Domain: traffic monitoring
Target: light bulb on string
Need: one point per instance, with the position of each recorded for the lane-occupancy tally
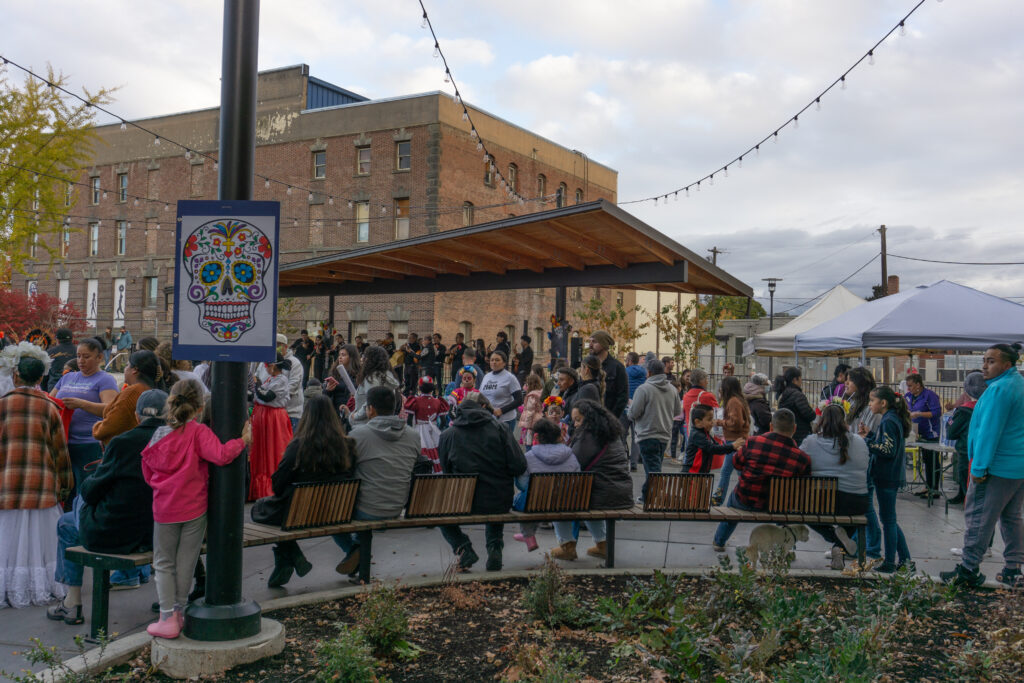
(757, 150)
(156, 141)
(676, 195)
(472, 132)
(465, 115)
(339, 223)
(124, 126)
(136, 202)
(903, 29)
(104, 194)
(871, 57)
(842, 82)
(726, 171)
(447, 76)
(711, 179)
(289, 190)
(310, 196)
(817, 104)
(655, 201)
(423, 24)
(188, 153)
(383, 210)
(437, 50)
(796, 121)
(775, 137)
(216, 165)
(330, 201)
(479, 146)
(687, 190)
(739, 162)
(167, 207)
(295, 222)
(350, 204)
(266, 183)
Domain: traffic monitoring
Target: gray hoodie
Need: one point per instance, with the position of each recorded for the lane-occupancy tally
(386, 450)
(654, 405)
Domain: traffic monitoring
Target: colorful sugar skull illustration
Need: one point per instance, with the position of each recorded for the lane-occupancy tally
(227, 261)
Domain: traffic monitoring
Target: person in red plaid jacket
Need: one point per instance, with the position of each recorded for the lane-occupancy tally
(774, 454)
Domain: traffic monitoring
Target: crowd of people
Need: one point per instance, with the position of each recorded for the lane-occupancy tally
(125, 468)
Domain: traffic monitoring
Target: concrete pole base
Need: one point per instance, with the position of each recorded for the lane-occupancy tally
(184, 658)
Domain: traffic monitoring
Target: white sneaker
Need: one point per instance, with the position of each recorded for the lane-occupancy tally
(959, 552)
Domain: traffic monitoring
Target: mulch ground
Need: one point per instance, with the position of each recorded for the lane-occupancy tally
(481, 632)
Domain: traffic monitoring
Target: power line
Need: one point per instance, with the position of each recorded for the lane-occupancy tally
(841, 282)
(960, 263)
(793, 120)
(825, 258)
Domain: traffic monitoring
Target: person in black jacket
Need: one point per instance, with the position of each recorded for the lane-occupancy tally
(113, 512)
(525, 359)
(701, 449)
(789, 388)
(760, 412)
(477, 443)
(959, 428)
(616, 384)
(319, 452)
(60, 354)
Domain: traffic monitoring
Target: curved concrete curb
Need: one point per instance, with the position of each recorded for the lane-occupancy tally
(123, 649)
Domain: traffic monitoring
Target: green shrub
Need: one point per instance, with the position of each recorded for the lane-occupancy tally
(347, 659)
(383, 621)
(546, 665)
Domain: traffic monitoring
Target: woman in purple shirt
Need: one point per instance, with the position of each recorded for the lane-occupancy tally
(87, 392)
(926, 412)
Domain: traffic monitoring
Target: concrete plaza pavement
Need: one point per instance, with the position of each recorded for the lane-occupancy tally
(418, 554)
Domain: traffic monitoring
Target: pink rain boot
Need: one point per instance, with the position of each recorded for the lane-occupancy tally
(530, 541)
(168, 627)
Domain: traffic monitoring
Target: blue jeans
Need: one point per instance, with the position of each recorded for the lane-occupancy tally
(132, 577)
(652, 453)
(564, 530)
(725, 529)
(67, 572)
(81, 455)
(675, 448)
(893, 540)
(727, 469)
(350, 542)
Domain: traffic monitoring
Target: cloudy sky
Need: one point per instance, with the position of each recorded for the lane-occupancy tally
(926, 140)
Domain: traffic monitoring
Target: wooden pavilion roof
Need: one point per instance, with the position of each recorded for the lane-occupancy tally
(596, 244)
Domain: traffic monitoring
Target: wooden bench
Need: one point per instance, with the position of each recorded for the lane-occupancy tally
(439, 499)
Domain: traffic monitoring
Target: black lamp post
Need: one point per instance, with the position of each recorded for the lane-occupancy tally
(771, 315)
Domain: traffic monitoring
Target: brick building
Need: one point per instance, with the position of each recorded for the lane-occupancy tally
(348, 171)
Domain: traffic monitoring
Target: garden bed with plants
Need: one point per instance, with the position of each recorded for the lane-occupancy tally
(727, 625)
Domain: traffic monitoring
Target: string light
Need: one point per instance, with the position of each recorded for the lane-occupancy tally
(124, 126)
(266, 183)
(868, 56)
(156, 140)
(289, 190)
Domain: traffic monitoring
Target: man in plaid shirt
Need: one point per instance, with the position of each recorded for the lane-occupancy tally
(774, 454)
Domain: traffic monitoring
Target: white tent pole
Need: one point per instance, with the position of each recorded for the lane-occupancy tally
(863, 356)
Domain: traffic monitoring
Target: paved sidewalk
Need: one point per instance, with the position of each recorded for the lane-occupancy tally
(416, 553)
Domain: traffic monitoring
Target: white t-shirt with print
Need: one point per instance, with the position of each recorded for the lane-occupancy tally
(498, 388)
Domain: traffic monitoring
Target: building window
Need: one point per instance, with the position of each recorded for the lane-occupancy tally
(619, 298)
(94, 239)
(579, 196)
(402, 219)
(538, 339)
(403, 156)
(319, 165)
(467, 213)
(359, 328)
(466, 328)
(122, 187)
(542, 185)
(152, 291)
(34, 246)
(68, 189)
(400, 328)
(513, 177)
(122, 237)
(362, 221)
(362, 161)
(94, 185)
(489, 170)
(65, 242)
(562, 190)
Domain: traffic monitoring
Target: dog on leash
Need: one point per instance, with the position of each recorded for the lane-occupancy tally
(766, 536)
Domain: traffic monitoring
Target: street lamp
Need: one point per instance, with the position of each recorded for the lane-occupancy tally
(771, 315)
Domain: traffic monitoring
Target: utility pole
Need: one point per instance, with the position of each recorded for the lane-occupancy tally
(714, 251)
(885, 265)
(886, 368)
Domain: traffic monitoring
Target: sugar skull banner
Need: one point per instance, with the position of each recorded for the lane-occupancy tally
(225, 280)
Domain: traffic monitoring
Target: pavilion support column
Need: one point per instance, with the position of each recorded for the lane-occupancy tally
(560, 338)
(330, 313)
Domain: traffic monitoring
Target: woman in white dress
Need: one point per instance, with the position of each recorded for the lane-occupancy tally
(35, 477)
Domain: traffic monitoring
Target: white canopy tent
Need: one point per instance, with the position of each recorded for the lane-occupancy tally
(943, 316)
(780, 342)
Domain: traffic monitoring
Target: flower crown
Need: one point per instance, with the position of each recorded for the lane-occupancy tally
(834, 401)
(553, 401)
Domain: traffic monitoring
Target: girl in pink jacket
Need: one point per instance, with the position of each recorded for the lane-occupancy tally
(175, 466)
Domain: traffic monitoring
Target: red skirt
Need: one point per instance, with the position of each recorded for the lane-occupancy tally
(271, 432)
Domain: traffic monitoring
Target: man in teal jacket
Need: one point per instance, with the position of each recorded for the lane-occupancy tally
(996, 449)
